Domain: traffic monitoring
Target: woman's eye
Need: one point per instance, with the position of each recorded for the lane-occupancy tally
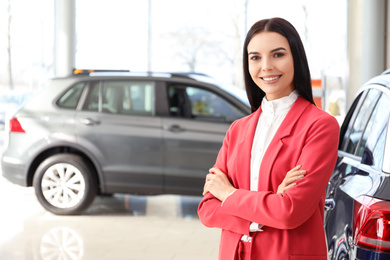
(278, 55)
(254, 58)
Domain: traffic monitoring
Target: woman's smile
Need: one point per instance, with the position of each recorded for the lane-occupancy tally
(270, 79)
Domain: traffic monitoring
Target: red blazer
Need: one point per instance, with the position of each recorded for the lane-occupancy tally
(293, 222)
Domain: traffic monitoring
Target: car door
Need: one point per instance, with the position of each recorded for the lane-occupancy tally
(193, 132)
(358, 171)
(117, 124)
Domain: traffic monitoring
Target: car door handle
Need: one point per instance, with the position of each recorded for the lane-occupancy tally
(329, 204)
(90, 121)
(174, 128)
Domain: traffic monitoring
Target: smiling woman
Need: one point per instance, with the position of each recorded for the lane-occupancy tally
(266, 190)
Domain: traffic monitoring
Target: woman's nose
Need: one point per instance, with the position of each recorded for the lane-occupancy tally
(267, 64)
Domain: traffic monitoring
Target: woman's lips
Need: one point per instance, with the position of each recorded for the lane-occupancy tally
(270, 79)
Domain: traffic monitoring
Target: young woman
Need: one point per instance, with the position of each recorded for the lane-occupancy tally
(264, 213)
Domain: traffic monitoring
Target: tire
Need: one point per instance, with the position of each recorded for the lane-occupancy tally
(64, 184)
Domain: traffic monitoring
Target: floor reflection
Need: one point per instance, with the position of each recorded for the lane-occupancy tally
(162, 205)
(66, 243)
(116, 227)
(61, 243)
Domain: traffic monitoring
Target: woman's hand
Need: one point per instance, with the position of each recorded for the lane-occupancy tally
(289, 181)
(218, 184)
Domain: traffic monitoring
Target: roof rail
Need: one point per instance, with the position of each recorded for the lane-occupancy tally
(187, 74)
(91, 72)
(87, 72)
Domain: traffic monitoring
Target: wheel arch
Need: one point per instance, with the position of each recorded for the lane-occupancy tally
(40, 157)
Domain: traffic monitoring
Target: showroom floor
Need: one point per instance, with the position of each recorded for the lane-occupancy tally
(114, 227)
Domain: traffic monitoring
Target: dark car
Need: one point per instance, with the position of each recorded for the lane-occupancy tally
(357, 216)
(119, 132)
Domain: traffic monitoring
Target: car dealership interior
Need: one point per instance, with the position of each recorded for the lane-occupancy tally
(167, 226)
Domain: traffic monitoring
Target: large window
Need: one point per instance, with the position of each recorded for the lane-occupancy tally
(71, 97)
(367, 133)
(121, 97)
(372, 146)
(353, 137)
(198, 103)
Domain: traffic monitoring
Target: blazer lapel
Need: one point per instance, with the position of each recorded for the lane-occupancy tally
(277, 142)
(244, 158)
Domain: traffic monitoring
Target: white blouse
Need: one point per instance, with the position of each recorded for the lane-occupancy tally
(272, 115)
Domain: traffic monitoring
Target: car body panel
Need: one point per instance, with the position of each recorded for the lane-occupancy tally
(136, 143)
(188, 146)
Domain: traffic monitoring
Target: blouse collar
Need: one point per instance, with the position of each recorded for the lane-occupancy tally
(279, 106)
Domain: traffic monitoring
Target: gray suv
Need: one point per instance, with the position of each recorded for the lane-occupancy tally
(119, 132)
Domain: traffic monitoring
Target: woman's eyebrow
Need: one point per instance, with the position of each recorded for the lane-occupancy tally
(278, 49)
(274, 50)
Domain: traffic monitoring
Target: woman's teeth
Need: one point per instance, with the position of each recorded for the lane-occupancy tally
(270, 79)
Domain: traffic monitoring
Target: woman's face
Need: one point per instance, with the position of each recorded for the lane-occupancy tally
(271, 64)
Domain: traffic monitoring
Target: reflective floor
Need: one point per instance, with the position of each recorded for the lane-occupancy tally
(114, 227)
(119, 227)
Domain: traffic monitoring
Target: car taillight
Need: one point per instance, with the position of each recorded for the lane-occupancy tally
(372, 224)
(15, 126)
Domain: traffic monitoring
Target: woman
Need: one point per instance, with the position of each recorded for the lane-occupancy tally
(264, 213)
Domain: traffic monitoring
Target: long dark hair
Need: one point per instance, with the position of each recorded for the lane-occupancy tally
(302, 79)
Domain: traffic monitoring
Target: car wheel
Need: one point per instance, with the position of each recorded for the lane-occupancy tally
(64, 184)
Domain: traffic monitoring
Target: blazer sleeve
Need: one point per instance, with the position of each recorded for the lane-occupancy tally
(290, 210)
(210, 209)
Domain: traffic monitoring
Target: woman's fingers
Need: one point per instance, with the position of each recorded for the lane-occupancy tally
(215, 171)
(296, 168)
(288, 187)
(295, 176)
(218, 184)
(209, 177)
(292, 176)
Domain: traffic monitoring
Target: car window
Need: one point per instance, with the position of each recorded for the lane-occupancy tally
(71, 98)
(372, 145)
(357, 127)
(202, 104)
(92, 101)
(122, 97)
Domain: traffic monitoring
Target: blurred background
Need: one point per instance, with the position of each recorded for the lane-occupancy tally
(344, 40)
(45, 38)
